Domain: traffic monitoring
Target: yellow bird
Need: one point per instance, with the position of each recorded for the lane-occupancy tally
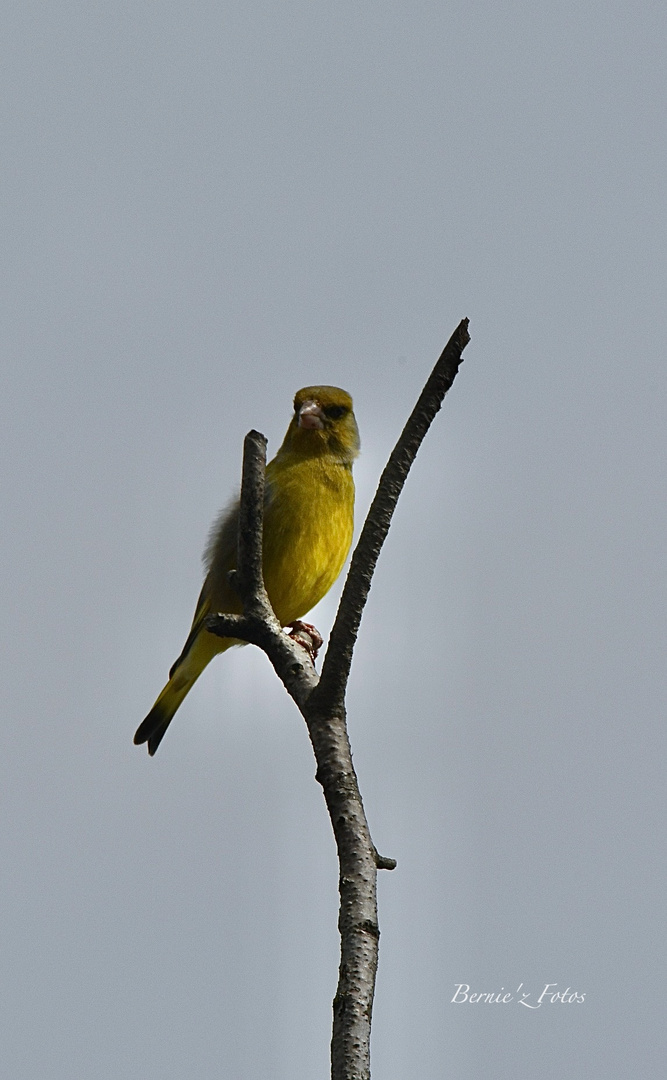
(308, 520)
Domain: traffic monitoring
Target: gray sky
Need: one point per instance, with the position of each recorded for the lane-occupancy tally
(207, 206)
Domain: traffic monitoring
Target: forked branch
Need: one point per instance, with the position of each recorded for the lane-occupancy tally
(322, 704)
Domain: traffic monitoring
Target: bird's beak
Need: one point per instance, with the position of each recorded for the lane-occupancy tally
(311, 416)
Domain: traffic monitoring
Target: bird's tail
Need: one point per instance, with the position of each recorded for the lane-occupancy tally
(153, 728)
(182, 678)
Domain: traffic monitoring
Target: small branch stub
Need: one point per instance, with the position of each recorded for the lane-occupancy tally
(383, 863)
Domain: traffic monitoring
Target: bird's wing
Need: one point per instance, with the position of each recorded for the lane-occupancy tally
(202, 610)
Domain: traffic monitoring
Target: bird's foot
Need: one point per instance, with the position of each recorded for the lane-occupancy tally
(307, 636)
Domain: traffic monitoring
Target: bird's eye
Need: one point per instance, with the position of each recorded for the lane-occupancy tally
(334, 412)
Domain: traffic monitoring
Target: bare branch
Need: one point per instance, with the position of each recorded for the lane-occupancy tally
(258, 625)
(336, 667)
(322, 704)
(249, 581)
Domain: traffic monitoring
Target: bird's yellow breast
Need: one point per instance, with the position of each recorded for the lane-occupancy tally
(308, 525)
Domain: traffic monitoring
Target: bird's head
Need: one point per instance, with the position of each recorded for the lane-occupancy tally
(323, 423)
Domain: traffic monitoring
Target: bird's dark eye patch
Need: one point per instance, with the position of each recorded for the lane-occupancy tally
(334, 412)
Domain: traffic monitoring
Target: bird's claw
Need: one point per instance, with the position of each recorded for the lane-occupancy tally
(306, 636)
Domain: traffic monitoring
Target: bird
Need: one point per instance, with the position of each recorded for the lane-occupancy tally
(308, 525)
